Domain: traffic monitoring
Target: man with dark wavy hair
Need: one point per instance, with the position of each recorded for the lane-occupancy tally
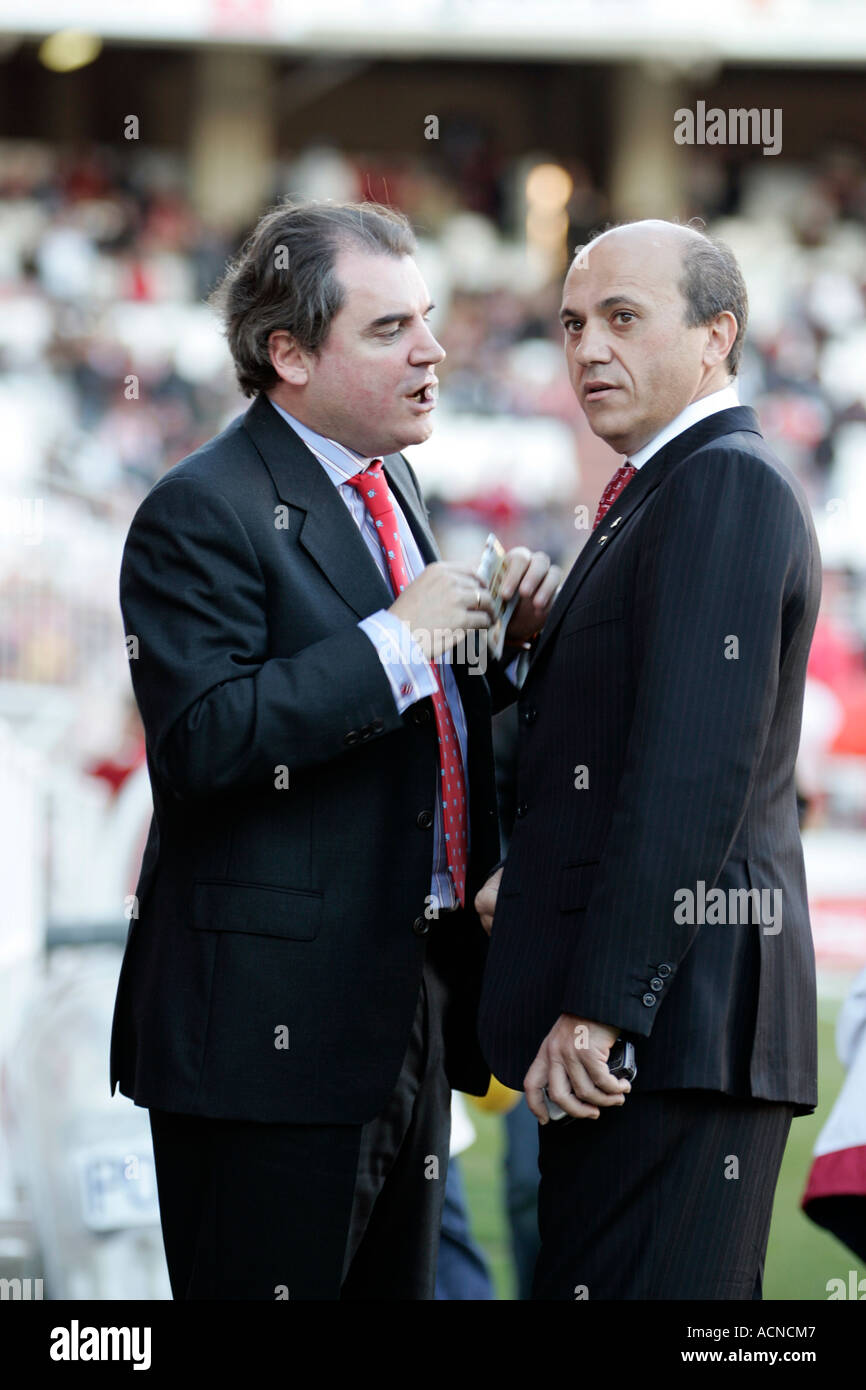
(300, 985)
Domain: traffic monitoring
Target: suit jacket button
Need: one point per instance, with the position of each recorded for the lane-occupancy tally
(664, 971)
(656, 984)
(424, 820)
(649, 1000)
(351, 737)
(377, 725)
(529, 714)
(420, 926)
(420, 714)
(366, 732)
(522, 809)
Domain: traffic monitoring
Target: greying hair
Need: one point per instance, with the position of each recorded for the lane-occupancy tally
(713, 284)
(284, 278)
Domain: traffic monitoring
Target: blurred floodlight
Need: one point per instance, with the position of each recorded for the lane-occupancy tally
(69, 49)
(548, 187)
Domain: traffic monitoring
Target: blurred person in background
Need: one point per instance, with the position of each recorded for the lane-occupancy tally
(462, 1272)
(835, 1195)
(670, 678)
(300, 984)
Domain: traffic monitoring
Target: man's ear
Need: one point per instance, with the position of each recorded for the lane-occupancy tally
(721, 336)
(290, 362)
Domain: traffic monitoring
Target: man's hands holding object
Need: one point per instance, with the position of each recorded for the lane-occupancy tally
(571, 1078)
(510, 594)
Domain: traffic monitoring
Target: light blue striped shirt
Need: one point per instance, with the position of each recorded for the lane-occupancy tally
(409, 673)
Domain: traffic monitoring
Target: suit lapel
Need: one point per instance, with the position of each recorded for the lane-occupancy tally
(328, 531)
(631, 499)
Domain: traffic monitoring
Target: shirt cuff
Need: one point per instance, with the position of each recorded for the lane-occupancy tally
(409, 673)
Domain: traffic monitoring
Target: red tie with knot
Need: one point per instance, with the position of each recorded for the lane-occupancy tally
(372, 485)
(621, 479)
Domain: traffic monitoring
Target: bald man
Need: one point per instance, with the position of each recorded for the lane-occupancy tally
(654, 888)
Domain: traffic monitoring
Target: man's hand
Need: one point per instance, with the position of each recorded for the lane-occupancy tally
(439, 606)
(572, 1064)
(485, 900)
(538, 580)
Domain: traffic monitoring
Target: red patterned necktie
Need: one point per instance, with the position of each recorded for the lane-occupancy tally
(621, 479)
(372, 485)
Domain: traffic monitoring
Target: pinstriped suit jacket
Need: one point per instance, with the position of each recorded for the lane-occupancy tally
(659, 725)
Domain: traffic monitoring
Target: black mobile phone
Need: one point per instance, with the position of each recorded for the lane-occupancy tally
(620, 1063)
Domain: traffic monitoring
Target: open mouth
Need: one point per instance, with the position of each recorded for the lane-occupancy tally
(426, 394)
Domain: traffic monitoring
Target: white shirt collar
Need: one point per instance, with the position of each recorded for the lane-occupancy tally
(339, 461)
(697, 410)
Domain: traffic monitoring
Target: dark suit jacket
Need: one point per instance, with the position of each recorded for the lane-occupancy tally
(262, 908)
(689, 757)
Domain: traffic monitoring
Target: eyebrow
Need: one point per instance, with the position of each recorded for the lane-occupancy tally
(603, 305)
(400, 316)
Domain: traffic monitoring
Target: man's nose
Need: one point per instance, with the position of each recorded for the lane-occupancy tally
(427, 348)
(593, 346)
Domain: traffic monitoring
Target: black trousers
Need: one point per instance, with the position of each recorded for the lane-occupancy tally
(313, 1212)
(668, 1196)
